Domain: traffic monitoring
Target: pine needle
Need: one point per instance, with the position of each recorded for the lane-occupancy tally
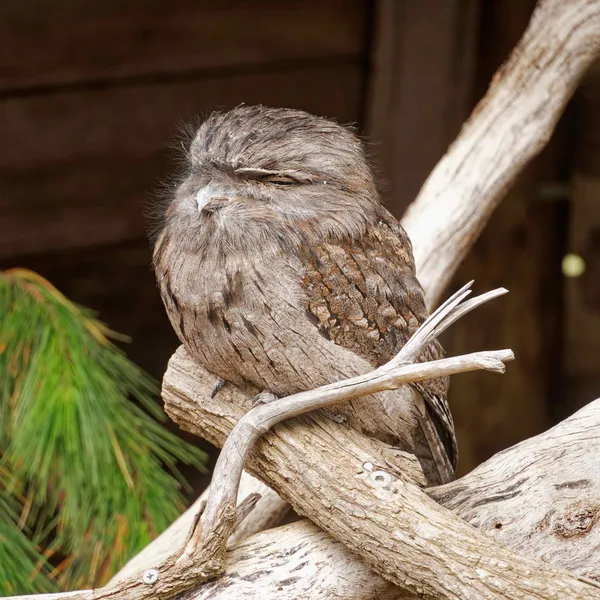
(23, 569)
(89, 460)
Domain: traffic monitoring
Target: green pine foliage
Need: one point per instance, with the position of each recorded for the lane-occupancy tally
(22, 567)
(87, 476)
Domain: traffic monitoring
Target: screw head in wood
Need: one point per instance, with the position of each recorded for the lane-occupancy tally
(381, 478)
(150, 576)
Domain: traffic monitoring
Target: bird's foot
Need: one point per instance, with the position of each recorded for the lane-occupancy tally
(263, 398)
(336, 417)
(219, 383)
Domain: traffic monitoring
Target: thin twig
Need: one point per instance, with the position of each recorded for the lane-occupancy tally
(245, 507)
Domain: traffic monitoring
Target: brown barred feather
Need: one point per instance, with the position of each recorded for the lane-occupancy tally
(366, 298)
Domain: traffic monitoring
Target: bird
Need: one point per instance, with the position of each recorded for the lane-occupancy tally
(279, 266)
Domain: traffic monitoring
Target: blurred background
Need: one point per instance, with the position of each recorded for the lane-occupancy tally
(91, 94)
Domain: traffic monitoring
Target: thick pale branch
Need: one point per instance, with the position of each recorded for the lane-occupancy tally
(341, 481)
(268, 513)
(203, 554)
(511, 124)
(545, 513)
(541, 496)
(256, 422)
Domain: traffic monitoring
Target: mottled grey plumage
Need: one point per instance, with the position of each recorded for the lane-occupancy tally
(278, 265)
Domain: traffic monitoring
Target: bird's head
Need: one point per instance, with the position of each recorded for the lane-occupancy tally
(257, 175)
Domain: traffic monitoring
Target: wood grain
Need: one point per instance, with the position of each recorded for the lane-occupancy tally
(322, 469)
(77, 42)
(560, 525)
(420, 88)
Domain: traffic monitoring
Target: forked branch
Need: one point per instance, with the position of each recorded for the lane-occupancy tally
(547, 514)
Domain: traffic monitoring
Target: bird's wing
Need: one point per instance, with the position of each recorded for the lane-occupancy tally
(363, 295)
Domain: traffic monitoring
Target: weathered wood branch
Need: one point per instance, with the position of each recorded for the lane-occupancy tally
(509, 126)
(322, 469)
(541, 496)
(268, 513)
(561, 524)
(202, 556)
(525, 497)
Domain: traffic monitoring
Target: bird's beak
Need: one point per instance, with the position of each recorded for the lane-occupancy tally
(214, 204)
(210, 198)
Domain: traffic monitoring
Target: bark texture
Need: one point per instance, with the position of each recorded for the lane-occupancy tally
(363, 492)
(533, 477)
(268, 512)
(541, 496)
(343, 482)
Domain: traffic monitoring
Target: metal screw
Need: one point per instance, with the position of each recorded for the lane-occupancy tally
(150, 576)
(381, 478)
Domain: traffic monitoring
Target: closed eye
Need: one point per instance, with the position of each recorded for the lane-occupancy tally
(277, 179)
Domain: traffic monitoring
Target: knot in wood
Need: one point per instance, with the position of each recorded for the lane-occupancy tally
(577, 520)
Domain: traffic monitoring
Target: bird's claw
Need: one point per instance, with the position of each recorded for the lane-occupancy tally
(219, 383)
(263, 398)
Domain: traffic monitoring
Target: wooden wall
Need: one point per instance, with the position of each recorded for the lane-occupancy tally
(581, 325)
(420, 87)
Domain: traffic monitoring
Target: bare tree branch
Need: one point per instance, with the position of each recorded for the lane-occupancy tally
(525, 497)
(268, 513)
(327, 473)
(546, 513)
(511, 125)
(202, 556)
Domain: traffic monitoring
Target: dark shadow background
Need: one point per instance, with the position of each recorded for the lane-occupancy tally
(91, 94)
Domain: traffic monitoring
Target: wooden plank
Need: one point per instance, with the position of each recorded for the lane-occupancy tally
(58, 42)
(582, 294)
(420, 88)
(77, 167)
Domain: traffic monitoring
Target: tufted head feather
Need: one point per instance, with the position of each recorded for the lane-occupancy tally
(260, 176)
